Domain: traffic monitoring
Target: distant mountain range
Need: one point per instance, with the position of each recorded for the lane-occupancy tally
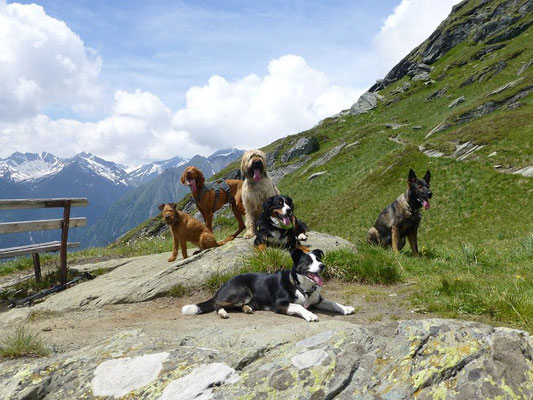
(104, 183)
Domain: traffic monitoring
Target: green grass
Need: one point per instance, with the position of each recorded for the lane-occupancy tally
(369, 264)
(180, 290)
(476, 240)
(270, 260)
(216, 280)
(22, 343)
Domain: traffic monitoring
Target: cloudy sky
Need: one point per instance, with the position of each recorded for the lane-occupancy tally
(137, 81)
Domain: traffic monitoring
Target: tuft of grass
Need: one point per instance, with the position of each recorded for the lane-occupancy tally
(22, 343)
(527, 246)
(270, 260)
(216, 280)
(369, 264)
(180, 290)
(470, 253)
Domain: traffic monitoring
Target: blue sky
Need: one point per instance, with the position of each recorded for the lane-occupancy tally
(198, 75)
(166, 47)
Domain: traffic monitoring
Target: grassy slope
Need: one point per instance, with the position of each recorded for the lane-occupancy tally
(477, 239)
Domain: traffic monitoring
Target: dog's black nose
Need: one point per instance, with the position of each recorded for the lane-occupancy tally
(429, 194)
(322, 266)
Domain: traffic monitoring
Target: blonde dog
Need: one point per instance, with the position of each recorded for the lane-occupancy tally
(256, 189)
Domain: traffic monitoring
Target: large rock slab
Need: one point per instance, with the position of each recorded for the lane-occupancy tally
(144, 278)
(303, 146)
(422, 359)
(366, 102)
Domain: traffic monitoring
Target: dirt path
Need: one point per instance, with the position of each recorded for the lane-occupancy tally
(162, 317)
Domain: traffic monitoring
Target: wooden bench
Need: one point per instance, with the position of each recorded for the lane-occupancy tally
(27, 226)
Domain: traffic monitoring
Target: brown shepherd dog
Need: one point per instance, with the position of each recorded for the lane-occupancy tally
(211, 196)
(185, 228)
(402, 218)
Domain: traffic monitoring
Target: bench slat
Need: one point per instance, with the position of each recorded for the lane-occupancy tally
(26, 226)
(34, 248)
(13, 204)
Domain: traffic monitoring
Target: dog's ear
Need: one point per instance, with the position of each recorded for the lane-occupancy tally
(267, 204)
(243, 165)
(427, 177)
(289, 202)
(183, 177)
(173, 205)
(412, 177)
(161, 206)
(296, 254)
(200, 180)
(318, 253)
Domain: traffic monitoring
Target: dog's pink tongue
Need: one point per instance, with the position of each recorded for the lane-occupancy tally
(257, 175)
(426, 204)
(317, 279)
(286, 220)
(192, 183)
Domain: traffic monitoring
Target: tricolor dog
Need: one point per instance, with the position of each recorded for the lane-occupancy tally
(277, 226)
(290, 292)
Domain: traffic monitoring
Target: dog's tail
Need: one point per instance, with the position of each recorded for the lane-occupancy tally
(228, 239)
(200, 308)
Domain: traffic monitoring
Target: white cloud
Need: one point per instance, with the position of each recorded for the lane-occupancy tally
(138, 130)
(253, 111)
(249, 112)
(409, 25)
(42, 64)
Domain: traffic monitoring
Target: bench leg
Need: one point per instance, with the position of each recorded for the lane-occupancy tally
(64, 237)
(37, 267)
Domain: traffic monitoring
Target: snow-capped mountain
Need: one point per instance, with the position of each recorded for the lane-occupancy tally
(221, 158)
(32, 168)
(147, 172)
(103, 182)
(21, 167)
(106, 169)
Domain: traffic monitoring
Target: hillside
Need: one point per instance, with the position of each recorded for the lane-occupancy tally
(460, 104)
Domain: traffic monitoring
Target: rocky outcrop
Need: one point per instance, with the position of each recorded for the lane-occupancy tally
(436, 94)
(457, 101)
(303, 146)
(526, 171)
(325, 158)
(366, 102)
(481, 21)
(316, 175)
(137, 279)
(294, 359)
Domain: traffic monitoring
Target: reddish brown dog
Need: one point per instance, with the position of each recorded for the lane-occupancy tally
(208, 201)
(185, 228)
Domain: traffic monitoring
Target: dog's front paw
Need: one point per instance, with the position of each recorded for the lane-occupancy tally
(310, 317)
(302, 237)
(348, 310)
(172, 258)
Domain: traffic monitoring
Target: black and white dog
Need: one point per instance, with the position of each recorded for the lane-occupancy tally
(277, 225)
(289, 292)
